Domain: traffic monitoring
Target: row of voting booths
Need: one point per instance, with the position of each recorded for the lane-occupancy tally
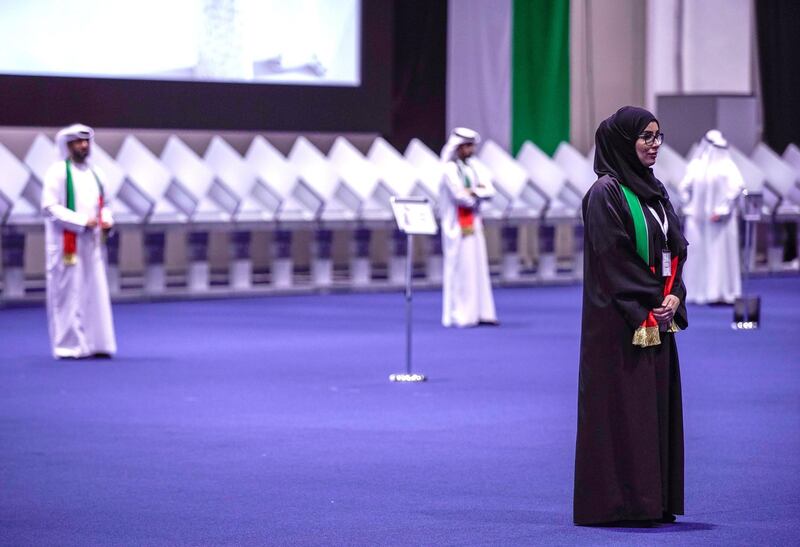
(198, 213)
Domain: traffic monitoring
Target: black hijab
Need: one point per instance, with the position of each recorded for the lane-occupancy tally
(615, 153)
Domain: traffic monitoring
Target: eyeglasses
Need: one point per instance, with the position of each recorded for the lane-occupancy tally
(651, 138)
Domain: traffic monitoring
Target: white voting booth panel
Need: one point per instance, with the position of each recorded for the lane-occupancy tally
(528, 201)
(780, 175)
(361, 176)
(564, 201)
(22, 213)
(590, 155)
(430, 172)
(299, 202)
(498, 206)
(670, 168)
(41, 155)
(781, 179)
(429, 167)
(401, 181)
(754, 180)
(115, 186)
(15, 177)
(792, 157)
(150, 176)
(578, 169)
(237, 188)
(340, 203)
(15, 210)
(399, 176)
(113, 174)
(192, 182)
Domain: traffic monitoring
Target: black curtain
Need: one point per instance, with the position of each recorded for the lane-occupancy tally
(420, 65)
(778, 24)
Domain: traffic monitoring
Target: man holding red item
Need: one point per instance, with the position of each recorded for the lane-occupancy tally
(76, 215)
(466, 287)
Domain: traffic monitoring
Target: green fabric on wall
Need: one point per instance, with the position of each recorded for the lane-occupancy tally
(540, 74)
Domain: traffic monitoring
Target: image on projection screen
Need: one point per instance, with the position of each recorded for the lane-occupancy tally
(307, 42)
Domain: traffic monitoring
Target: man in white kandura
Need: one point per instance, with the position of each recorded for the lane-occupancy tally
(710, 191)
(76, 217)
(466, 289)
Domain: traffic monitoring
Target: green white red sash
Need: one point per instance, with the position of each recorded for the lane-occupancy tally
(70, 241)
(647, 334)
(466, 215)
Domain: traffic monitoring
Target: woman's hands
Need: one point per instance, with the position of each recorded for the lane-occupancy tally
(665, 313)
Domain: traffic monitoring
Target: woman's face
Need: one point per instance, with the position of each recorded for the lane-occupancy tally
(647, 153)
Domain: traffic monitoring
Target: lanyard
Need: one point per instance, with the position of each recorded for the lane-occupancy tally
(462, 171)
(663, 225)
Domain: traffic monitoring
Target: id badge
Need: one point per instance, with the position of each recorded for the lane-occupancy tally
(666, 263)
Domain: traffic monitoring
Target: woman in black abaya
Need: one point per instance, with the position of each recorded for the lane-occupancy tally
(629, 453)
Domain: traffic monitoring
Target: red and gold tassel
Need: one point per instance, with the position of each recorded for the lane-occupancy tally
(647, 334)
(466, 220)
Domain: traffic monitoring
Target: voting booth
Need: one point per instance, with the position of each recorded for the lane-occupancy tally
(340, 205)
(670, 169)
(192, 180)
(300, 204)
(528, 203)
(364, 178)
(563, 206)
(580, 172)
(781, 176)
(401, 180)
(16, 178)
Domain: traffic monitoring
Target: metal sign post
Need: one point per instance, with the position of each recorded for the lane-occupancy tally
(413, 216)
(747, 309)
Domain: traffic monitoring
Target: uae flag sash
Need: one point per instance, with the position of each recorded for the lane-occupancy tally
(70, 241)
(466, 215)
(647, 334)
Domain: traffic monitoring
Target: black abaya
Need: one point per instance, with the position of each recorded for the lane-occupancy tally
(629, 454)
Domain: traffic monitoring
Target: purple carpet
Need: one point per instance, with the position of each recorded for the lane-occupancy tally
(271, 421)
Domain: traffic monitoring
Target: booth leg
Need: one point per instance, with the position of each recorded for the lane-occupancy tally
(547, 252)
(360, 267)
(241, 266)
(577, 262)
(13, 263)
(112, 263)
(322, 263)
(155, 279)
(282, 268)
(198, 274)
(510, 239)
(435, 265)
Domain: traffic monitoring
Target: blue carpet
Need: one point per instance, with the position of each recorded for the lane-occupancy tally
(270, 421)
